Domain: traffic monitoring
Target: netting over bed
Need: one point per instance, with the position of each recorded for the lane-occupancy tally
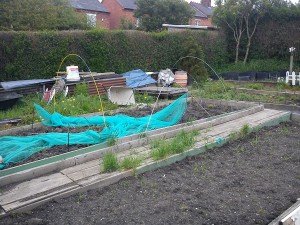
(17, 148)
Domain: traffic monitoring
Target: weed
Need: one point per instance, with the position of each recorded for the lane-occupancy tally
(161, 152)
(144, 98)
(233, 136)
(195, 169)
(181, 142)
(125, 183)
(284, 130)
(255, 141)
(286, 158)
(203, 168)
(130, 162)
(142, 135)
(81, 89)
(191, 120)
(112, 141)
(81, 197)
(110, 162)
(184, 207)
(255, 86)
(245, 130)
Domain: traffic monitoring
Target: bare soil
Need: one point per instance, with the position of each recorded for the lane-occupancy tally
(195, 111)
(249, 181)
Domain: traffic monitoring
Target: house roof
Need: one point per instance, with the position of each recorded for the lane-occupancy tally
(128, 4)
(93, 5)
(199, 13)
(207, 11)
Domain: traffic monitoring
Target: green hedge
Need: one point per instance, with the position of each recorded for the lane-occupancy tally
(31, 55)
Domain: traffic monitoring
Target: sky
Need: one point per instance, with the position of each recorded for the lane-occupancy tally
(213, 2)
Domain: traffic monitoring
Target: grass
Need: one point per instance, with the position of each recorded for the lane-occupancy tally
(130, 162)
(110, 162)
(216, 90)
(245, 130)
(72, 105)
(180, 143)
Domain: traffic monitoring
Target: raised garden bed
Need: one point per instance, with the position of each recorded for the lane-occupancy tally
(196, 110)
(249, 181)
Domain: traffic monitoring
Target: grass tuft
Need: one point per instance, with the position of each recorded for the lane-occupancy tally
(130, 162)
(110, 162)
(180, 143)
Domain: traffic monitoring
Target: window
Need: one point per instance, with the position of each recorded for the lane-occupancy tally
(197, 22)
(91, 19)
(138, 21)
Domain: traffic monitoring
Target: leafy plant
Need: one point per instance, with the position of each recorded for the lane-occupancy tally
(81, 89)
(245, 130)
(110, 162)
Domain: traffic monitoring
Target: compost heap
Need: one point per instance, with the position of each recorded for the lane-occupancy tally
(17, 148)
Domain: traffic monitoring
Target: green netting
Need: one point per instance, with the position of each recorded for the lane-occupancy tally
(17, 148)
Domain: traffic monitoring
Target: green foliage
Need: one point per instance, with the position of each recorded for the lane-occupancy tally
(39, 15)
(245, 130)
(193, 65)
(82, 89)
(255, 65)
(130, 162)
(255, 86)
(180, 143)
(153, 14)
(144, 98)
(110, 162)
(126, 24)
(69, 106)
(33, 55)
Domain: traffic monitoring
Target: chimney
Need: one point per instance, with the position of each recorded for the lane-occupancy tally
(206, 3)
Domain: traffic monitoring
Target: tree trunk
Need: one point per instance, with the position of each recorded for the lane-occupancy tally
(247, 51)
(237, 51)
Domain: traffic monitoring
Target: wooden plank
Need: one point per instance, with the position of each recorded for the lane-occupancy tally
(33, 187)
(80, 167)
(87, 172)
(29, 201)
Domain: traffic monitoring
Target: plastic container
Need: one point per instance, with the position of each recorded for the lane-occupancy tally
(72, 73)
(181, 78)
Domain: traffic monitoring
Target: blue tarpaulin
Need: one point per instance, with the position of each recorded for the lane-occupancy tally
(138, 78)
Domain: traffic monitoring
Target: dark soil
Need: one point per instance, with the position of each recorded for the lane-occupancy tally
(194, 111)
(249, 181)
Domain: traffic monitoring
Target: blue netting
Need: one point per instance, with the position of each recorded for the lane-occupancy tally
(17, 148)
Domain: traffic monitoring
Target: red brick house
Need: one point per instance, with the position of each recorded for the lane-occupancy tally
(203, 13)
(120, 9)
(97, 15)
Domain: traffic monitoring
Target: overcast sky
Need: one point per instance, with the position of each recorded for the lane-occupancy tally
(213, 2)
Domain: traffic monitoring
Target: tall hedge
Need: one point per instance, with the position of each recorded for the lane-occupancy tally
(32, 55)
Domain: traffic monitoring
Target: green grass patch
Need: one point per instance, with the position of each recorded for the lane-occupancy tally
(180, 143)
(110, 162)
(130, 162)
(68, 106)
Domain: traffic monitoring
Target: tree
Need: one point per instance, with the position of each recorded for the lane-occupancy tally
(252, 11)
(240, 16)
(193, 54)
(154, 13)
(229, 15)
(39, 15)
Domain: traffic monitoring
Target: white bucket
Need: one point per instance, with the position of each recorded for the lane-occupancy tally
(72, 73)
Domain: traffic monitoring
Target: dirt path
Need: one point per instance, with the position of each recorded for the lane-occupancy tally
(249, 181)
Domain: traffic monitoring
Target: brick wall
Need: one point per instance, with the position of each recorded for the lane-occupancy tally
(203, 21)
(103, 20)
(117, 12)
